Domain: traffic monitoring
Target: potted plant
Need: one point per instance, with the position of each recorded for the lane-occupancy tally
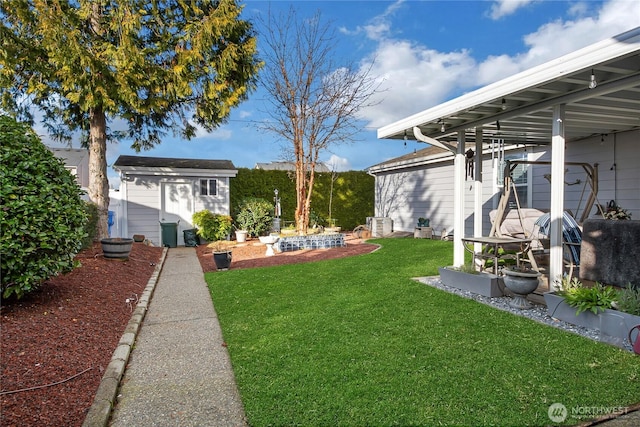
(612, 310)
(468, 278)
(211, 226)
(521, 281)
(254, 217)
(332, 227)
(423, 222)
(222, 254)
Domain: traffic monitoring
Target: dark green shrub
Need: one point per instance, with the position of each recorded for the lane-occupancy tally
(212, 226)
(255, 215)
(91, 227)
(629, 299)
(42, 217)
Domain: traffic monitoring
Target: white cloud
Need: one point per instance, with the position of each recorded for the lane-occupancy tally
(502, 8)
(338, 164)
(414, 77)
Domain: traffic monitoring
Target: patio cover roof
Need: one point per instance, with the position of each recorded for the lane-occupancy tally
(548, 104)
(529, 97)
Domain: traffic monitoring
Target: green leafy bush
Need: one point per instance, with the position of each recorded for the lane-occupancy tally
(91, 227)
(629, 300)
(255, 215)
(596, 298)
(43, 216)
(212, 226)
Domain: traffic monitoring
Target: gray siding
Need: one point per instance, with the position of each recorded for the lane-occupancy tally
(427, 191)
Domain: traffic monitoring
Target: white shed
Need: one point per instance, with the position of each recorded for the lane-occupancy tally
(156, 190)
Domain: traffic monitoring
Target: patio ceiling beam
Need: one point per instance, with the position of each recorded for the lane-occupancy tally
(604, 88)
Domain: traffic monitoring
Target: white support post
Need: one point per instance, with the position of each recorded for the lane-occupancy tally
(458, 203)
(557, 196)
(477, 175)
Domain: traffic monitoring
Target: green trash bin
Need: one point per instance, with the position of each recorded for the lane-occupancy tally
(169, 234)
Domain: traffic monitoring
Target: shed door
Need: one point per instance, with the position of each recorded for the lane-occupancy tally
(177, 205)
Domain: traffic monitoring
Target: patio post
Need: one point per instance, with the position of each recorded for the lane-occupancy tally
(477, 175)
(458, 202)
(557, 196)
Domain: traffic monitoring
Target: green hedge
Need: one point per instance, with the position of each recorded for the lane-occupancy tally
(42, 218)
(353, 194)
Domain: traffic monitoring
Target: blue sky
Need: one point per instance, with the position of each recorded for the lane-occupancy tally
(423, 53)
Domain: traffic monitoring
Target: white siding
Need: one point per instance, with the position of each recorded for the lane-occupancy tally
(143, 207)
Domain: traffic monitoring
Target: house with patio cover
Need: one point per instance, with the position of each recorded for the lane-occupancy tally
(570, 126)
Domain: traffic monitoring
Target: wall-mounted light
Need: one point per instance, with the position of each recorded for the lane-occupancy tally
(504, 104)
(443, 127)
(593, 83)
(405, 137)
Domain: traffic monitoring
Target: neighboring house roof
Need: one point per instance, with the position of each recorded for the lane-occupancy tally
(173, 166)
(71, 156)
(520, 108)
(288, 166)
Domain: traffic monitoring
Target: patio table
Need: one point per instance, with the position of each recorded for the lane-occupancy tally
(490, 247)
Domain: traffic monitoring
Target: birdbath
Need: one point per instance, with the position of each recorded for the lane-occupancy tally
(269, 241)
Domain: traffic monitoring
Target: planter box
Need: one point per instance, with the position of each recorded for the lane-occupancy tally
(612, 323)
(423, 233)
(485, 284)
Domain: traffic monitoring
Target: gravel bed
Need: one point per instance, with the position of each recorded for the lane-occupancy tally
(538, 312)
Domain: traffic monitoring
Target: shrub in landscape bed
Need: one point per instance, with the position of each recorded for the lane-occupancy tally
(212, 226)
(255, 215)
(43, 216)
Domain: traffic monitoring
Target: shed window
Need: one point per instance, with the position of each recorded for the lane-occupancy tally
(208, 187)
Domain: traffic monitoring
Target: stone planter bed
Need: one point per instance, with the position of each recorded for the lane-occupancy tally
(612, 323)
(486, 284)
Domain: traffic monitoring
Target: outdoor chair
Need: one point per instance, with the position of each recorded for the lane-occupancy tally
(571, 238)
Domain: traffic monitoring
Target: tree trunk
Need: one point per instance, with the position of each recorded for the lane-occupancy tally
(98, 181)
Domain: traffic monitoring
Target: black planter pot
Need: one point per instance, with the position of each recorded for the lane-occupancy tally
(116, 247)
(222, 260)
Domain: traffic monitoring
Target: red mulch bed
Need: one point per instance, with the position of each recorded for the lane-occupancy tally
(72, 324)
(252, 254)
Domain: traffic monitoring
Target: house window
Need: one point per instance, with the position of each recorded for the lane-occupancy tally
(208, 187)
(520, 177)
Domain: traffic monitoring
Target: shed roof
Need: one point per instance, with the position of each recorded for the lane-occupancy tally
(172, 163)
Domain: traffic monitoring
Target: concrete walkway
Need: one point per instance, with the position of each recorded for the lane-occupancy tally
(179, 371)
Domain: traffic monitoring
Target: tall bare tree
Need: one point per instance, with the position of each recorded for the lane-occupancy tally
(314, 102)
(159, 66)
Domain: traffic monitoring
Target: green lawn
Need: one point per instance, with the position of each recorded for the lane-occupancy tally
(356, 342)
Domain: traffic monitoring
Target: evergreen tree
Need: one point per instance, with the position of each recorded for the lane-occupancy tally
(158, 66)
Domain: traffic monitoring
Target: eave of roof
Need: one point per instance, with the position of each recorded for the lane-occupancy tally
(533, 89)
(174, 166)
